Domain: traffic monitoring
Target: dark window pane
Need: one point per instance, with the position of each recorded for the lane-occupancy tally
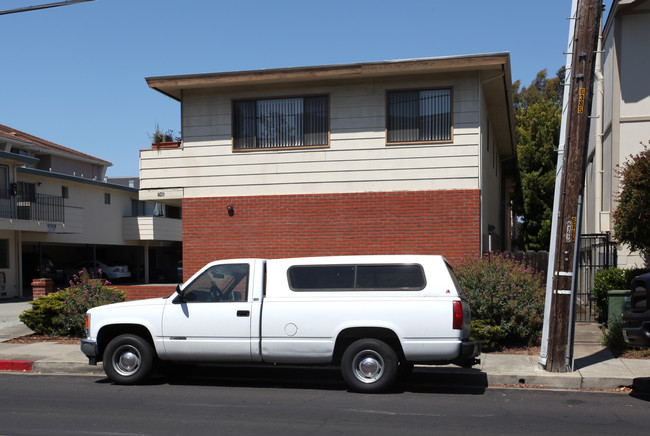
(316, 121)
(435, 116)
(321, 277)
(245, 122)
(390, 276)
(4, 253)
(419, 116)
(280, 123)
(403, 116)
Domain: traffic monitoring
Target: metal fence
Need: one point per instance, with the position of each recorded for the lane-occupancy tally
(31, 207)
(597, 252)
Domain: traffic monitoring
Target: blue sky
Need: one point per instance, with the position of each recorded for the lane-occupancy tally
(74, 75)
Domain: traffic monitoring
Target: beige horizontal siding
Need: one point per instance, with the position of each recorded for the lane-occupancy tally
(322, 188)
(152, 228)
(356, 160)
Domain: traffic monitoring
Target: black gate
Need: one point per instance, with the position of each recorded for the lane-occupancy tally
(597, 252)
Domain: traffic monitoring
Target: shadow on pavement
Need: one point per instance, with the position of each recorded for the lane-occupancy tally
(641, 389)
(593, 359)
(422, 380)
(15, 300)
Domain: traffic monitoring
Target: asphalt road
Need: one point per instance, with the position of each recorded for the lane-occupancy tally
(272, 403)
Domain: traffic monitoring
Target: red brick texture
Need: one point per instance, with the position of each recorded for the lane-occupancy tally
(424, 222)
(141, 292)
(42, 287)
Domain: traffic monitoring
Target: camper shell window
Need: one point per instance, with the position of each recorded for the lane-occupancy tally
(393, 277)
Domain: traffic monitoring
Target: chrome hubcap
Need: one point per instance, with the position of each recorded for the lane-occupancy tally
(368, 366)
(126, 360)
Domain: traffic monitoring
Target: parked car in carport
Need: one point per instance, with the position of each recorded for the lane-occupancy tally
(41, 268)
(636, 322)
(110, 272)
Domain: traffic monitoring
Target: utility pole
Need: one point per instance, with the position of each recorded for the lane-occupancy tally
(568, 215)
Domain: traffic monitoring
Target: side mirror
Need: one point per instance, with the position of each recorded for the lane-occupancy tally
(180, 292)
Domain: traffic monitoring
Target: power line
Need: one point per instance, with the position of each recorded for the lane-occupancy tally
(44, 6)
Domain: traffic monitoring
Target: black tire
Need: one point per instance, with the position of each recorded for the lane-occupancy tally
(369, 365)
(128, 359)
(404, 370)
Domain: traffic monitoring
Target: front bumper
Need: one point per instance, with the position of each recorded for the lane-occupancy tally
(636, 328)
(90, 349)
(638, 336)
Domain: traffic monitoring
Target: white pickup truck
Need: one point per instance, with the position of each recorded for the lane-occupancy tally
(375, 316)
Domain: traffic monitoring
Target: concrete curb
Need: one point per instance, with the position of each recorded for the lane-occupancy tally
(16, 365)
(69, 368)
(438, 375)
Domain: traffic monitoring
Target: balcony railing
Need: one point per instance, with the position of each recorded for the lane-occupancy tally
(31, 207)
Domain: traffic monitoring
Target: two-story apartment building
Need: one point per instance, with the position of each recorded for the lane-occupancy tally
(57, 210)
(407, 156)
(621, 113)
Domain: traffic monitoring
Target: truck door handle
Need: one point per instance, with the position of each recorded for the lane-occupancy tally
(243, 313)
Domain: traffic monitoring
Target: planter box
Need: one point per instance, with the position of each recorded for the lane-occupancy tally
(166, 145)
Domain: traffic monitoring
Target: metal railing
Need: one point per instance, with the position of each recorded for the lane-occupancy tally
(597, 252)
(31, 207)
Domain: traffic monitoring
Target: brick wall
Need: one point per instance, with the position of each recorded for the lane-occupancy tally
(141, 292)
(427, 222)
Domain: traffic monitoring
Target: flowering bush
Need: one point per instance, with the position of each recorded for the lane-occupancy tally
(64, 312)
(505, 296)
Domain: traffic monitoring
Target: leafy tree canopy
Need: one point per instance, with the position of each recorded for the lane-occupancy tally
(632, 216)
(538, 115)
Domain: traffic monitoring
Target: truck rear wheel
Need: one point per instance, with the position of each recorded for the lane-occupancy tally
(128, 359)
(369, 365)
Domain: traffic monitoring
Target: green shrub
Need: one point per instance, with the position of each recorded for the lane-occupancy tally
(506, 294)
(606, 280)
(43, 316)
(64, 312)
(490, 336)
(612, 337)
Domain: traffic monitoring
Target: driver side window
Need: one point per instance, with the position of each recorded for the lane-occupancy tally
(219, 283)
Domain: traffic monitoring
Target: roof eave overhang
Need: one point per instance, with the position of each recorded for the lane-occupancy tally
(172, 86)
(37, 149)
(71, 178)
(28, 160)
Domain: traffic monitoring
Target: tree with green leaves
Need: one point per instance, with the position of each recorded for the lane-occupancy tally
(632, 215)
(538, 115)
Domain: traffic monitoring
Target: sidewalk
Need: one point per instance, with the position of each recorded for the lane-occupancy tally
(595, 367)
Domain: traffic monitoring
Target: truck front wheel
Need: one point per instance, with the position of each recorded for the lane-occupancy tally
(369, 365)
(128, 359)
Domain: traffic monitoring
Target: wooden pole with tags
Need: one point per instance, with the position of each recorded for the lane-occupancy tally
(587, 24)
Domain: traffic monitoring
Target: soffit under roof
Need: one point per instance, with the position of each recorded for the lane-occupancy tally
(42, 146)
(172, 86)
